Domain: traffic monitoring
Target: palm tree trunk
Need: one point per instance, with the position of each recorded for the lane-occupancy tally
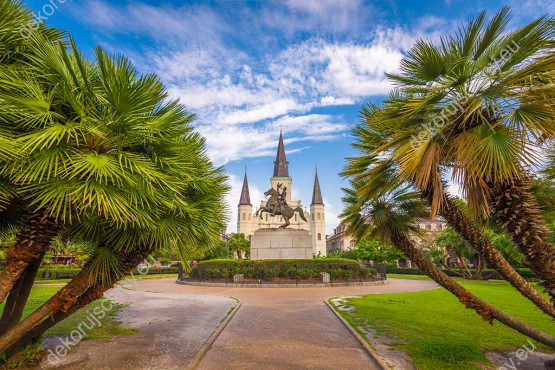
(32, 241)
(516, 207)
(91, 295)
(473, 235)
(479, 267)
(463, 264)
(446, 267)
(488, 312)
(70, 297)
(62, 300)
(17, 299)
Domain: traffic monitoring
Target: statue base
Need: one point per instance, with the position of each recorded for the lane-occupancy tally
(272, 244)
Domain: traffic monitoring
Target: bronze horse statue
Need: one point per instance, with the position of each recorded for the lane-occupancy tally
(284, 210)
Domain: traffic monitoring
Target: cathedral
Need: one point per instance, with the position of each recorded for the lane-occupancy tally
(248, 222)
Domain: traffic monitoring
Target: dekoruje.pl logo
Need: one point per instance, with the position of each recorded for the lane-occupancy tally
(92, 321)
(47, 10)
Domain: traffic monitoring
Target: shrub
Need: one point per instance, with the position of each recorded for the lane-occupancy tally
(367, 272)
(268, 274)
(308, 273)
(341, 274)
(339, 268)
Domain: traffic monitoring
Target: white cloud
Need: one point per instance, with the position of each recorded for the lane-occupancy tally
(260, 112)
(312, 124)
(242, 94)
(332, 217)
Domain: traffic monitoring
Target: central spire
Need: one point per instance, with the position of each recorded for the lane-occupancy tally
(281, 166)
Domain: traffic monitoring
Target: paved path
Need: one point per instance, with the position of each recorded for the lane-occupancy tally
(274, 328)
(172, 328)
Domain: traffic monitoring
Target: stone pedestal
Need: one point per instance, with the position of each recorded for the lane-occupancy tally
(281, 244)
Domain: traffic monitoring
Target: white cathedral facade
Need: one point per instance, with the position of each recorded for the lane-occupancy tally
(248, 222)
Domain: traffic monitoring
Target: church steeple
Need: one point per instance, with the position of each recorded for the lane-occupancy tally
(245, 196)
(281, 167)
(317, 193)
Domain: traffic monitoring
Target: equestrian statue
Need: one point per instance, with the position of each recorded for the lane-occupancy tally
(277, 206)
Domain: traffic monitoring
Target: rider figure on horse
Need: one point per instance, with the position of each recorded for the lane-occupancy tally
(281, 201)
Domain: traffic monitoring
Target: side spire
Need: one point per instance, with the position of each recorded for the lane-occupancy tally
(317, 193)
(245, 196)
(281, 166)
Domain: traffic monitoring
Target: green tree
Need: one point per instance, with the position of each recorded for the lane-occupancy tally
(219, 251)
(480, 104)
(390, 214)
(238, 244)
(460, 252)
(417, 132)
(504, 244)
(376, 251)
(100, 156)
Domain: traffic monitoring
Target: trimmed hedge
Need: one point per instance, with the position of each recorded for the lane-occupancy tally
(57, 272)
(524, 272)
(60, 272)
(268, 270)
(160, 270)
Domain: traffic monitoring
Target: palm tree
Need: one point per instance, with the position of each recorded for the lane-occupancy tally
(459, 250)
(30, 245)
(391, 214)
(381, 162)
(480, 104)
(102, 158)
(238, 244)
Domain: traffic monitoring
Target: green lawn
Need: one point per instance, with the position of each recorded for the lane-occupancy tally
(438, 332)
(409, 277)
(152, 276)
(110, 326)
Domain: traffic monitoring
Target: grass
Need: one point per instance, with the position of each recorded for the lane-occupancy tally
(151, 277)
(438, 332)
(409, 277)
(137, 277)
(109, 325)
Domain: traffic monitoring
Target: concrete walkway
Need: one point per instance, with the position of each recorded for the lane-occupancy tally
(285, 328)
(289, 328)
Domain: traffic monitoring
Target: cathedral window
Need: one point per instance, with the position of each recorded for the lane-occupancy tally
(244, 216)
(266, 217)
(318, 216)
(295, 217)
(312, 216)
(319, 236)
(249, 216)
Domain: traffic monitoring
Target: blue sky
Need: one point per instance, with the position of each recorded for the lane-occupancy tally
(247, 68)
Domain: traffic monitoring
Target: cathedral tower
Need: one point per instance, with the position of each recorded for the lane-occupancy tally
(244, 211)
(317, 219)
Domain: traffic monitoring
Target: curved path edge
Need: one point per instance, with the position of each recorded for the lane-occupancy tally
(210, 341)
(378, 360)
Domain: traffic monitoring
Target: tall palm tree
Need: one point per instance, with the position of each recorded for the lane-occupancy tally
(380, 142)
(14, 53)
(480, 104)
(391, 215)
(104, 158)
